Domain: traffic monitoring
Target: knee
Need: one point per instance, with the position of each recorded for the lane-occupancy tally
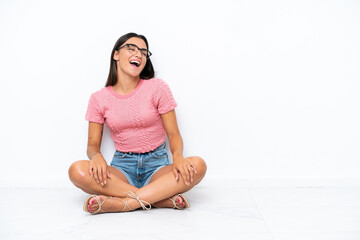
(201, 166)
(77, 171)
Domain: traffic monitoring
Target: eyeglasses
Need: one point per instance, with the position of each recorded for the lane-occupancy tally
(133, 48)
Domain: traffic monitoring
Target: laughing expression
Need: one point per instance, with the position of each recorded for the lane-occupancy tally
(129, 60)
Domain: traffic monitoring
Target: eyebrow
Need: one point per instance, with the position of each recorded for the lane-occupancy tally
(137, 46)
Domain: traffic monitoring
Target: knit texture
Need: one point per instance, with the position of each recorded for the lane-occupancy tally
(133, 119)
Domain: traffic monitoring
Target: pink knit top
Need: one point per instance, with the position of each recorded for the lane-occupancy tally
(133, 119)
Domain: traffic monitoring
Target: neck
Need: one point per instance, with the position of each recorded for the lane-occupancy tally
(126, 84)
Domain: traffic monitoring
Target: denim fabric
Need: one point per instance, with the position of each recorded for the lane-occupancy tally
(138, 168)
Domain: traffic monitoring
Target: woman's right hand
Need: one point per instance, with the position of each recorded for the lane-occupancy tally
(99, 169)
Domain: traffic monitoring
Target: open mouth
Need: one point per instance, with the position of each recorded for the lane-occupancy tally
(135, 63)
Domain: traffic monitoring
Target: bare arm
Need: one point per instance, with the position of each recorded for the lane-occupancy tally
(94, 139)
(182, 165)
(173, 133)
(98, 166)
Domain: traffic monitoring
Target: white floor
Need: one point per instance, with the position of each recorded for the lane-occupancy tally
(236, 211)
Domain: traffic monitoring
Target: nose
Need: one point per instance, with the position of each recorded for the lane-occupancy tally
(137, 53)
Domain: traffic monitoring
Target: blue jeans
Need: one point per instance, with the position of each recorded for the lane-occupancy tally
(138, 168)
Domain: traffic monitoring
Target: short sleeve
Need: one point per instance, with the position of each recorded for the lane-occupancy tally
(93, 113)
(165, 98)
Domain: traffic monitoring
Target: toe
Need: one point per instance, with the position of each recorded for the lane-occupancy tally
(93, 207)
(180, 202)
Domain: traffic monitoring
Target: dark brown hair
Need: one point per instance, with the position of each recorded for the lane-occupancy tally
(148, 71)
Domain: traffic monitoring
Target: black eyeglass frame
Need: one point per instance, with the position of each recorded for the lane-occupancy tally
(140, 49)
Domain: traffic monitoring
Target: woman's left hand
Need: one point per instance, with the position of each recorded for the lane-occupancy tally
(186, 168)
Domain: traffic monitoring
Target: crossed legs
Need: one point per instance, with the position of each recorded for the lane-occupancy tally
(162, 186)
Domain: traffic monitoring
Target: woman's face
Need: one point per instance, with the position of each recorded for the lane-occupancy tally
(130, 60)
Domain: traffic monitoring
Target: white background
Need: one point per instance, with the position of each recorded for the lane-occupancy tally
(265, 89)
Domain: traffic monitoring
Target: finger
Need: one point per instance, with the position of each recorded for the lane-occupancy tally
(194, 167)
(96, 176)
(104, 174)
(185, 176)
(176, 174)
(100, 173)
(190, 169)
(108, 173)
(91, 171)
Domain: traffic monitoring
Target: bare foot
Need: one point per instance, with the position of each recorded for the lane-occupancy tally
(108, 204)
(167, 203)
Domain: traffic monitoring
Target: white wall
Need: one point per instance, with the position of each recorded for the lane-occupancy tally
(265, 89)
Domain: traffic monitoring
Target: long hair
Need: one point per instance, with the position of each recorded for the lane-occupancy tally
(148, 71)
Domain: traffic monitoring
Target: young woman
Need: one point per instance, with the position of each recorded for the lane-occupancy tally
(139, 110)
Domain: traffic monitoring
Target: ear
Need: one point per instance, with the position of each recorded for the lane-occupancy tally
(116, 56)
